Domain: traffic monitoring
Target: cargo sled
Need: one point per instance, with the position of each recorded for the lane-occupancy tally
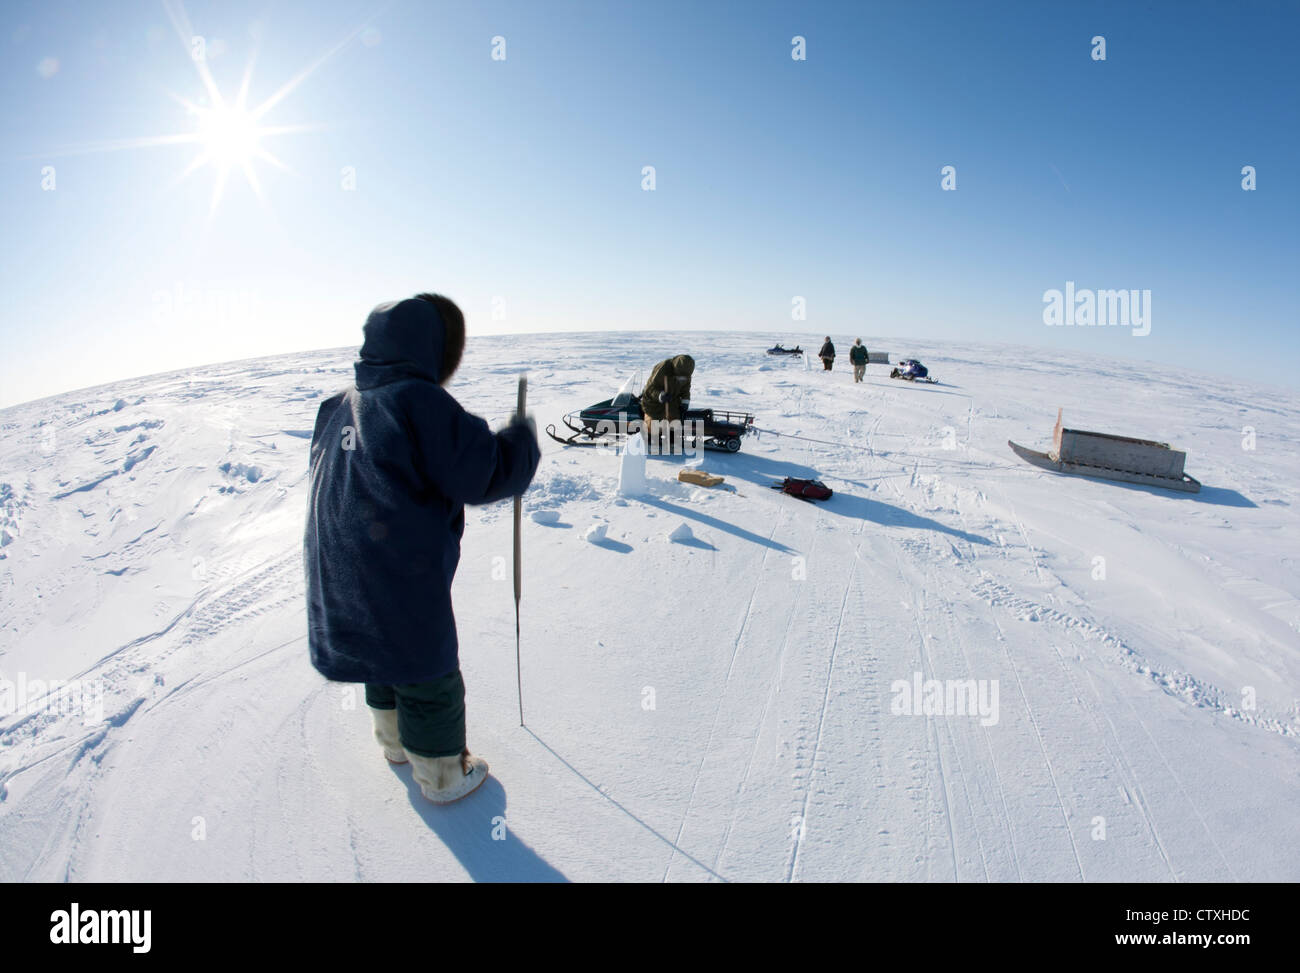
(1110, 457)
(778, 350)
(607, 423)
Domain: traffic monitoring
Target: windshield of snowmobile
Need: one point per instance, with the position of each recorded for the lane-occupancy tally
(630, 391)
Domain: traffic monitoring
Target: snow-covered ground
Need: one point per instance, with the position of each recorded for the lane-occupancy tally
(720, 707)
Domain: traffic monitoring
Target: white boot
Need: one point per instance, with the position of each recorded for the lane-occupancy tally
(446, 779)
(386, 734)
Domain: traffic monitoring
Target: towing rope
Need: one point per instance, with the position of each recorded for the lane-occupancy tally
(807, 439)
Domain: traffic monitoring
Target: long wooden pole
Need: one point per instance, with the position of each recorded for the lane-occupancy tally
(519, 504)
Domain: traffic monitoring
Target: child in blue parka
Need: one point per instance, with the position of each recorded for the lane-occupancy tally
(394, 460)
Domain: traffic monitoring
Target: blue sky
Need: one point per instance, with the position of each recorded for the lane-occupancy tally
(521, 179)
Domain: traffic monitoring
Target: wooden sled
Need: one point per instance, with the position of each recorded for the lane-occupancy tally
(1107, 457)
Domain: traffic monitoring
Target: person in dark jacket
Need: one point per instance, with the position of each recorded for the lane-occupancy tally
(667, 396)
(827, 354)
(394, 460)
(858, 356)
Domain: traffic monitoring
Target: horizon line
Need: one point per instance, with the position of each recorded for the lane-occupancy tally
(514, 334)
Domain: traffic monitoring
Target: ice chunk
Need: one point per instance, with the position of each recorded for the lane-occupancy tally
(631, 468)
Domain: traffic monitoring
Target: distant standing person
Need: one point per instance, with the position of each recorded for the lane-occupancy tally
(394, 460)
(827, 354)
(858, 355)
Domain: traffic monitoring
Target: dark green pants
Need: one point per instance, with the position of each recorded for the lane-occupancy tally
(430, 715)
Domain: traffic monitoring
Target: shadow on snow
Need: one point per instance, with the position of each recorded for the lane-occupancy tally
(466, 829)
(586, 780)
(764, 472)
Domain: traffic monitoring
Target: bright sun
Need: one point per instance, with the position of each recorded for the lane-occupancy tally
(229, 135)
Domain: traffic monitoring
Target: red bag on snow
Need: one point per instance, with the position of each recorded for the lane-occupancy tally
(804, 489)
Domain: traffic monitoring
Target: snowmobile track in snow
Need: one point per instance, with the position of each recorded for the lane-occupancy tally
(821, 716)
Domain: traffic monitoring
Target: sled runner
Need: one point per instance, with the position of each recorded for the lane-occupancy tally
(606, 423)
(1108, 457)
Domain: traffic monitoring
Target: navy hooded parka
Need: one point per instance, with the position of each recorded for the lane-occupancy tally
(393, 462)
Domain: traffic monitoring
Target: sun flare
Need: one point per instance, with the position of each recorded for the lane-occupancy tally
(229, 134)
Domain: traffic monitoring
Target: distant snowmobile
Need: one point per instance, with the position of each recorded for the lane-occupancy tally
(607, 422)
(911, 370)
(778, 350)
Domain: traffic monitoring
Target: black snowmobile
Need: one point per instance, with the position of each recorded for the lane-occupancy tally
(606, 422)
(911, 370)
(778, 350)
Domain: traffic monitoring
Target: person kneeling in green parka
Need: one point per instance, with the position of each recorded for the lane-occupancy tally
(667, 395)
